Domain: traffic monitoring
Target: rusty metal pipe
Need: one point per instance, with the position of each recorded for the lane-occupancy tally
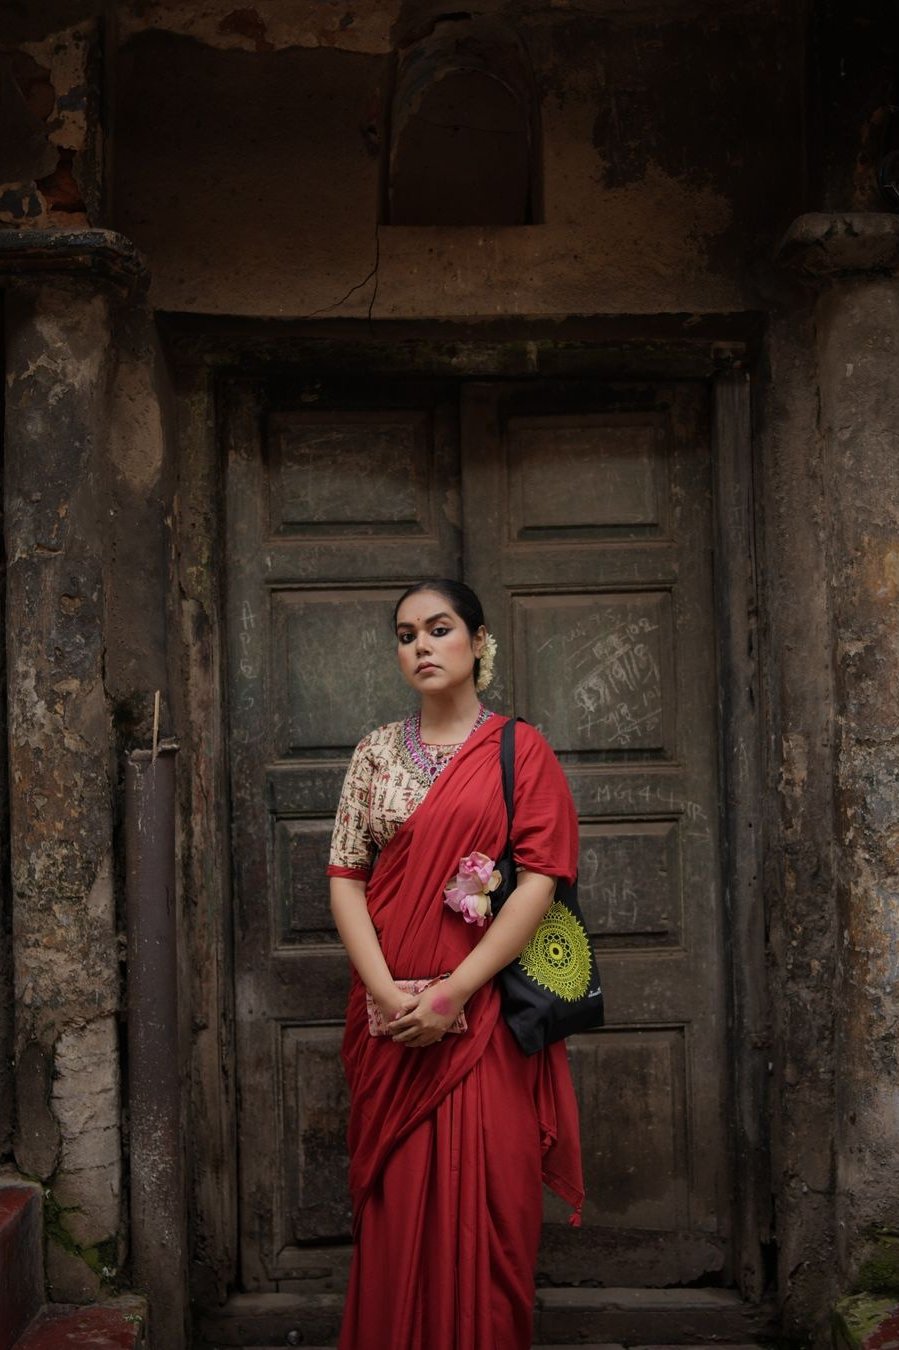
(158, 1195)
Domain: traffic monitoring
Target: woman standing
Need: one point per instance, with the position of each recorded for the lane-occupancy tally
(451, 1134)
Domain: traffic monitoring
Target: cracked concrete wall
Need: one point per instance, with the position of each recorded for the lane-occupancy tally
(826, 430)
(799, 881)
(269, 154)
(858, 324)
(66, 950)
(672, 157)
(51, 144)
(88, 505)
(7, 1011)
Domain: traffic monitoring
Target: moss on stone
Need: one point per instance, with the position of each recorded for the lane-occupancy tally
(55, 1225)
(856, 1316)
(879, 1273)
(100, 1257)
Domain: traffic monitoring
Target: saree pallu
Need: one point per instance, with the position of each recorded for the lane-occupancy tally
(449, 1144)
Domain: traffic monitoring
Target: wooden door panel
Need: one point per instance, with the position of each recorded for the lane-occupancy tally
(588, 535)
(331, 668)
(315, 1112)
(335, 497)
(336, 561)
(634, 1081)
(586, 477)
(596, 671)
(347, 473)
(303, 914)
(653, 565)
(587, 517)
(272, 993)
(629, 882)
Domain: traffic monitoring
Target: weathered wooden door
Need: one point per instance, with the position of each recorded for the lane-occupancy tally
(588, 535)
(582, 515)
(331, 497)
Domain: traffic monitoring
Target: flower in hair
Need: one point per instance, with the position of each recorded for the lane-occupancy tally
(487, 658)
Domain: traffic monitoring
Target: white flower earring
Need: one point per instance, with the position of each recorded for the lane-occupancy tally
(487, 659)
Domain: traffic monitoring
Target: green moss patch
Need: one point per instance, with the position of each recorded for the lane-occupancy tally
(857, 1316)
(100, 1257)
(879, 1273)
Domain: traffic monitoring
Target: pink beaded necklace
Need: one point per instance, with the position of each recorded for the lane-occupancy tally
(431, 766)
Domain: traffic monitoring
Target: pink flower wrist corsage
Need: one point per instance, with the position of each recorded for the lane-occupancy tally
(469, 892)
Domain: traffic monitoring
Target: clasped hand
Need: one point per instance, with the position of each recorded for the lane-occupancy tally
(422, 1019)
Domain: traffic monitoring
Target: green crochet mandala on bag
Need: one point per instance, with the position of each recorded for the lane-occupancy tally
(558, 955)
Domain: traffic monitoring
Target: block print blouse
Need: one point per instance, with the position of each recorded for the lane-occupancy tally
(383, 786)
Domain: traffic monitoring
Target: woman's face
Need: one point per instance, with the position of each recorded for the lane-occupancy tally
(435, 649)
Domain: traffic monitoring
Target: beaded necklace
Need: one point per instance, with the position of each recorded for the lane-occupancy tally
(428, 764)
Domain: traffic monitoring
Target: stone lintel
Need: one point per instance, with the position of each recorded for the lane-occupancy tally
(100, 254)
(823, 245)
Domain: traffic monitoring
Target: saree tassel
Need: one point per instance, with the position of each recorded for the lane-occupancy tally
(575, 1221)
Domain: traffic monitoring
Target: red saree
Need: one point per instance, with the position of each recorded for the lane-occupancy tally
(449, 1145)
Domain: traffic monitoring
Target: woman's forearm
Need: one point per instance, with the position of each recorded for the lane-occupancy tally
(508, 934)
(357, 933)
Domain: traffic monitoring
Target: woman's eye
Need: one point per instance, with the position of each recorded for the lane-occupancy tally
(405, 638)
(439, 631)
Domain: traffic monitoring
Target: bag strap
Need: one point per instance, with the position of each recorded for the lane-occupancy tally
(507, 764)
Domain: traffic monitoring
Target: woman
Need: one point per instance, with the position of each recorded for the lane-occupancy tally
(450, 1134)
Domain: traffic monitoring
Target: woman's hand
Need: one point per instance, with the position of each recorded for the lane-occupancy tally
(435, 1010)
(394, 1002)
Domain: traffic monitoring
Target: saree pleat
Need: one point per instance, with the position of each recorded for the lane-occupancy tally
(449, 1145)
(450, 1231)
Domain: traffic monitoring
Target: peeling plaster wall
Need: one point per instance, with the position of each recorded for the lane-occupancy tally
(799, 882)
(255, 188)
(858, 324)
(88, 496)
(674, 152)
(7, 1092)
(270, 144)
(68, 1129)
(51, 143)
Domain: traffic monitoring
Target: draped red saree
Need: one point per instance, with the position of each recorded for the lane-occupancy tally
(449, 1144)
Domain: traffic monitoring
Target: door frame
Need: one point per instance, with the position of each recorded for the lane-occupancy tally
(202, 353)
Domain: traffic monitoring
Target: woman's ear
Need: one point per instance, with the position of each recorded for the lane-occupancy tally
(478, 641)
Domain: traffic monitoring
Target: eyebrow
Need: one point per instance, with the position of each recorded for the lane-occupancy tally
(433, 619)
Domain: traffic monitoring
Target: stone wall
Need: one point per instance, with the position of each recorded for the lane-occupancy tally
(61, 773)
(51, 151)
(87, 582)
(678, 141)
(266, 152)
(799, 884)
(858, 334)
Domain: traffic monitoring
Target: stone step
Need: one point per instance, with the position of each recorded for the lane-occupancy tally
(570, 1316)
(650, 1317)
(21, 1258)
(118, 1325)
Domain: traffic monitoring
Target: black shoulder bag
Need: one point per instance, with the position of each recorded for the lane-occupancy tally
(552, 989)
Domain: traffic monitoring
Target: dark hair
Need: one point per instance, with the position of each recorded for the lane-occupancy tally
(463, 600)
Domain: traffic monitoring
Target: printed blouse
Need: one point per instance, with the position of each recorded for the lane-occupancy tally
(382, 787)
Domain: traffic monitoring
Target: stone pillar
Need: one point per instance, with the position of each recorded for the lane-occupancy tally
(854, 259)
(62, 293)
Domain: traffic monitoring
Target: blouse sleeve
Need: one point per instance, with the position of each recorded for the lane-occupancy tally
(544, 824)
(352, 847)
